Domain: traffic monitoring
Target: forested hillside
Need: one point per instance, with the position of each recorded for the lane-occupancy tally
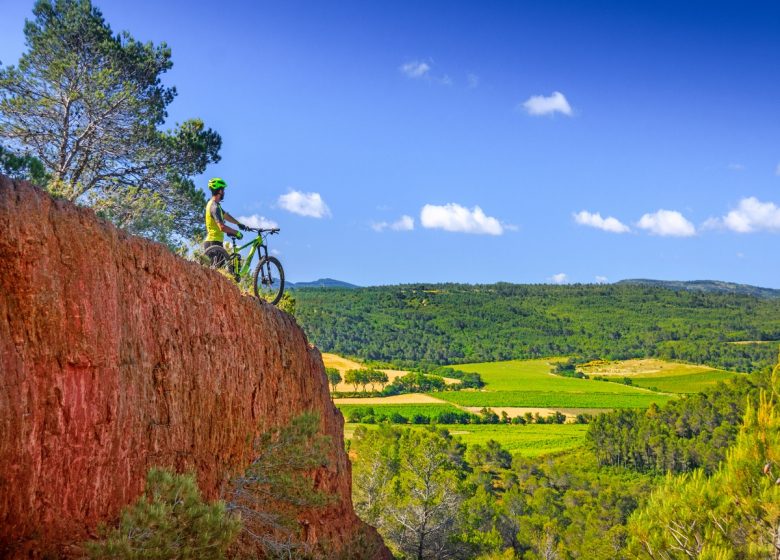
(712, 286)
(457, 323)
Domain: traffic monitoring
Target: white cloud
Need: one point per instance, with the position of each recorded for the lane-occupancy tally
(601, 279)
(472, 80)
(541, 105)
(404, 223)
(415, 69)
(712, 223)
(750, 215)
(667, 223)
(736, 167)
(610, 224)
(257, 221)
(304, 204)
(777, 169)
(454, 217)
(559, 278)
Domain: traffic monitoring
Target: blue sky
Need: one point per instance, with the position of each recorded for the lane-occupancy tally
(485, 141)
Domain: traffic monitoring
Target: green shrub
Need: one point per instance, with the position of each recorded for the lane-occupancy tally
(287, 303)
(273, 490)
(169, 520)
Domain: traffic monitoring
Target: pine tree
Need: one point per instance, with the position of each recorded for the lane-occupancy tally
(275, 488)
(88, 104)
(170, 520)
(734, 514)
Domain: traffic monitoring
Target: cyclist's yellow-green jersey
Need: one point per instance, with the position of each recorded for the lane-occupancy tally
(214, 217)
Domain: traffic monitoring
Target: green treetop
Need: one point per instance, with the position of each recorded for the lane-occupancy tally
(87, 103)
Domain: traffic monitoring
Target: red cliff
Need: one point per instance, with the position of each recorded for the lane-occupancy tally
(117, 356)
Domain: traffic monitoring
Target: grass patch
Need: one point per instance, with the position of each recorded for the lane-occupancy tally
(669, 377)
(341, 364)
(407, 410)
(556, 400)
(530, 440)
(529, 383)
(535, 376)
(691, 383)
(404, 398)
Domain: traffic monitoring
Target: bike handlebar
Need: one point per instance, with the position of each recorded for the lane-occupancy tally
(261, 230)
(272, 231)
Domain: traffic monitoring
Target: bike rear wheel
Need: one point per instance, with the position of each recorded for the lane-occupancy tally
(217, 256)
(268, 280)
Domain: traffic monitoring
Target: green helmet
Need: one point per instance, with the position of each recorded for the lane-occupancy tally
(216, 183)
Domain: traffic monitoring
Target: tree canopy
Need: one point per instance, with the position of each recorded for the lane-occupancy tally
(88, 104)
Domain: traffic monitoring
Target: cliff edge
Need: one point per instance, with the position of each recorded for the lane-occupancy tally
(117, 356)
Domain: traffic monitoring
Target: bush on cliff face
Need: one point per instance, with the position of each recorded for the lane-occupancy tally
(275, 488)
(169, 520)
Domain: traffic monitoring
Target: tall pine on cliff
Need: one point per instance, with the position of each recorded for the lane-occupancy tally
(88, 104)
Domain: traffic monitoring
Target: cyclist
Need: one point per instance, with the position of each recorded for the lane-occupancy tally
(216, 228)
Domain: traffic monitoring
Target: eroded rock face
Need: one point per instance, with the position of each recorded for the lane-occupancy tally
(116, 356)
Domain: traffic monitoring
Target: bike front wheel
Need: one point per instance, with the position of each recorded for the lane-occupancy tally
(268, 280)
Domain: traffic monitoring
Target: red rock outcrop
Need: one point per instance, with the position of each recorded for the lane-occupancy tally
(117, 356)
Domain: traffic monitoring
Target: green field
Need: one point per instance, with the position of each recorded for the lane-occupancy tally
(530, 440)
(535, 376)
(541, 399)
(661, 375)
(529, 383)
(407, 410)
(690, 383)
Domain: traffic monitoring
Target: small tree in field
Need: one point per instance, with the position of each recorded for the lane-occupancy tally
(334, 378)
(353, 377)
(376, 376)
(364, 378)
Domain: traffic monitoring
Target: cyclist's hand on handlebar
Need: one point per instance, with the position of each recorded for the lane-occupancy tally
(242, 227)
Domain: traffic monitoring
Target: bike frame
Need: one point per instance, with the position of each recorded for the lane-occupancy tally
(258, 245)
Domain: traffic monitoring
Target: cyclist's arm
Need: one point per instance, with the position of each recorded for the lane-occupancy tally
(231, 219)
(227, 229)
(220, 223)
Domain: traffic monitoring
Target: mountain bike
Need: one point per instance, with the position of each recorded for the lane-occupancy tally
(268, 277)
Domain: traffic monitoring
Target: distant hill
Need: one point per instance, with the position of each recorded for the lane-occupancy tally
(459, 323)
(711, 286)
(322, 283)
